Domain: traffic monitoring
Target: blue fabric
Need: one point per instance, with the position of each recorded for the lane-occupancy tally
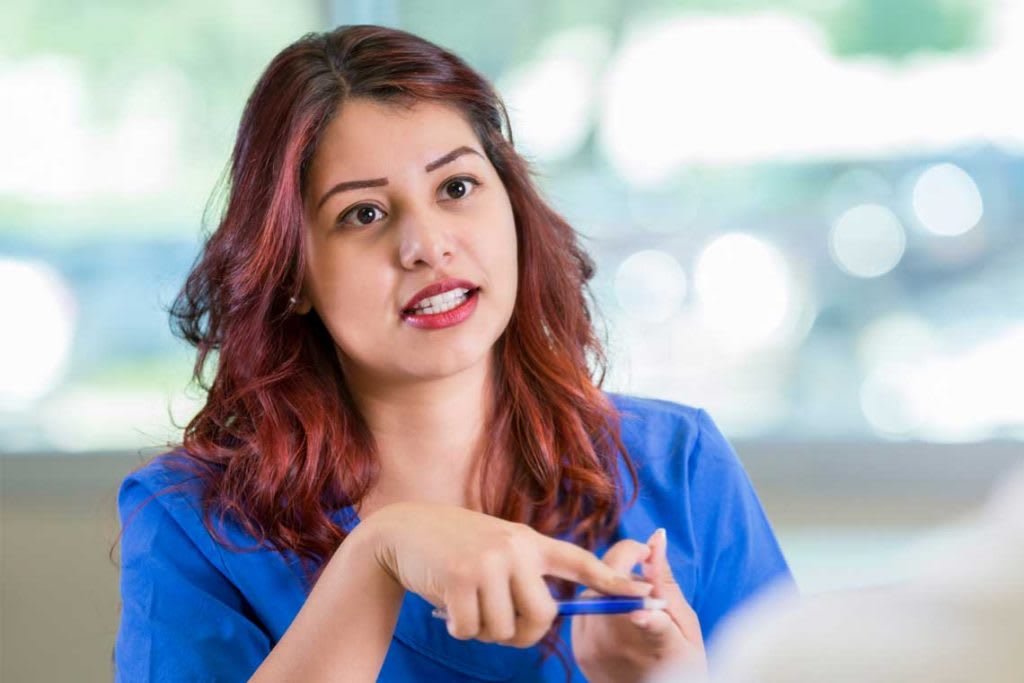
(194, 610)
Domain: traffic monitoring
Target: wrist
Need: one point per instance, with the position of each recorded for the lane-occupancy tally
(372, 540)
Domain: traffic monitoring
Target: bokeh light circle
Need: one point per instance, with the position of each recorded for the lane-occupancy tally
(744, 289)
(650, 285)
(867, 240)
(38, 311)
(946, 200)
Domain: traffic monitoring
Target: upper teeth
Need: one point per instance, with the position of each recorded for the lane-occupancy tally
(444, 300)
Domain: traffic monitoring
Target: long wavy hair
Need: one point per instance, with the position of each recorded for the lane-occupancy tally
(279, 443)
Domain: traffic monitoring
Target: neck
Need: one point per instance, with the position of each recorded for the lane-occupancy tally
(429, 436)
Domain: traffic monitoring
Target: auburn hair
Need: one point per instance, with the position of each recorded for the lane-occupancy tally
(279, 444)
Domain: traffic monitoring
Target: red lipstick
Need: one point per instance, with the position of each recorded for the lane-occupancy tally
(439, 287)
(437, 320)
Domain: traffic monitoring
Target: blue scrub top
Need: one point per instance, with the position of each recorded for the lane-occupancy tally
(193, 610)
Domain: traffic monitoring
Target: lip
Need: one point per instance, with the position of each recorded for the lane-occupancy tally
(437, 321)
(438, 287)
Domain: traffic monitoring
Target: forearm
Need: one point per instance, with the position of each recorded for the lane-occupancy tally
(343, 630)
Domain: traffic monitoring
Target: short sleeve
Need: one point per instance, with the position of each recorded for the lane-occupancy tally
(182, 619)
(738, 552)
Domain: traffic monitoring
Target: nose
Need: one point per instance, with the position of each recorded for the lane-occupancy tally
(424, 238)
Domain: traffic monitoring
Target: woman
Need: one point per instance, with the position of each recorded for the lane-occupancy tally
(402, 415)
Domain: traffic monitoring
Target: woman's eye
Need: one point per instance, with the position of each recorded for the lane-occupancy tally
(364, 214)
(457, 188)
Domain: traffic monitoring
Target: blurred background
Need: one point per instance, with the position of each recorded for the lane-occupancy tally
(808, 219)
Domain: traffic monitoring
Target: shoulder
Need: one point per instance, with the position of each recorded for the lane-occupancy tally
(160, 509)
(658, 430)
(678, 453)
(169, 479)
(184, 612)
(651, 409)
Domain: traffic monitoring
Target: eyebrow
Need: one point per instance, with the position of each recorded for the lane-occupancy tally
(378, 182)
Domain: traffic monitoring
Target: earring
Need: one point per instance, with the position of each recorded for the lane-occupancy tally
(292, 300)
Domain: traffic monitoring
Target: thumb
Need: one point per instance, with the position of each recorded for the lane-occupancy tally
(625, 554)
(658, 572)
(656, 567)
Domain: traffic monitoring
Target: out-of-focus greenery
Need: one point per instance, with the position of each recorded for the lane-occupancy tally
(208, 54)
(219, 46)
(886, 28)
(902, 27)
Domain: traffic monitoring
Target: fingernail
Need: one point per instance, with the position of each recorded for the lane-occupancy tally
(641, 619)
(664, 534)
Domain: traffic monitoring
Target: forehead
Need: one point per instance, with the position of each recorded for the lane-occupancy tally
(367, 137)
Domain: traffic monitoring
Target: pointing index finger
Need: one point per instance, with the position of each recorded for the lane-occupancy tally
(568, 561)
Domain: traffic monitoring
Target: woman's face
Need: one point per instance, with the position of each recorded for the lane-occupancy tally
(434, 209)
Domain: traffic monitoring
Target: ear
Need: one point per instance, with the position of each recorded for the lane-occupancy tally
(302, 305)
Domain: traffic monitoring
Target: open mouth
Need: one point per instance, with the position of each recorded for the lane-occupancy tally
(441, 307)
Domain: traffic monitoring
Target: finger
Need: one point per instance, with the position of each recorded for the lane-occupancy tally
(568, 561)
(463, 614)
(653, 566)
(658, 571)
(590, 592)
(497, 613)
(625, 555)
(536, 609)
(656, 568)
(652, 621)
(657, 626)
(622, 557)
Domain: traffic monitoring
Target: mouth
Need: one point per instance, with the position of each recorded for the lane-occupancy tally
(445, 304)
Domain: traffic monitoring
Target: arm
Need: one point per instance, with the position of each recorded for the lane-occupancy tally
(486, 571)
(354, 602)
(184, 619)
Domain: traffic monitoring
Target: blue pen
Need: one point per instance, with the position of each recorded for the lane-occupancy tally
(601, 604)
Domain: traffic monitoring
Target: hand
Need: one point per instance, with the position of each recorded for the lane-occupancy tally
(629, 647)
(487, 572)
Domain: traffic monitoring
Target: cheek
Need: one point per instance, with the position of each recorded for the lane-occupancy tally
(349, 290)
(356, 317)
